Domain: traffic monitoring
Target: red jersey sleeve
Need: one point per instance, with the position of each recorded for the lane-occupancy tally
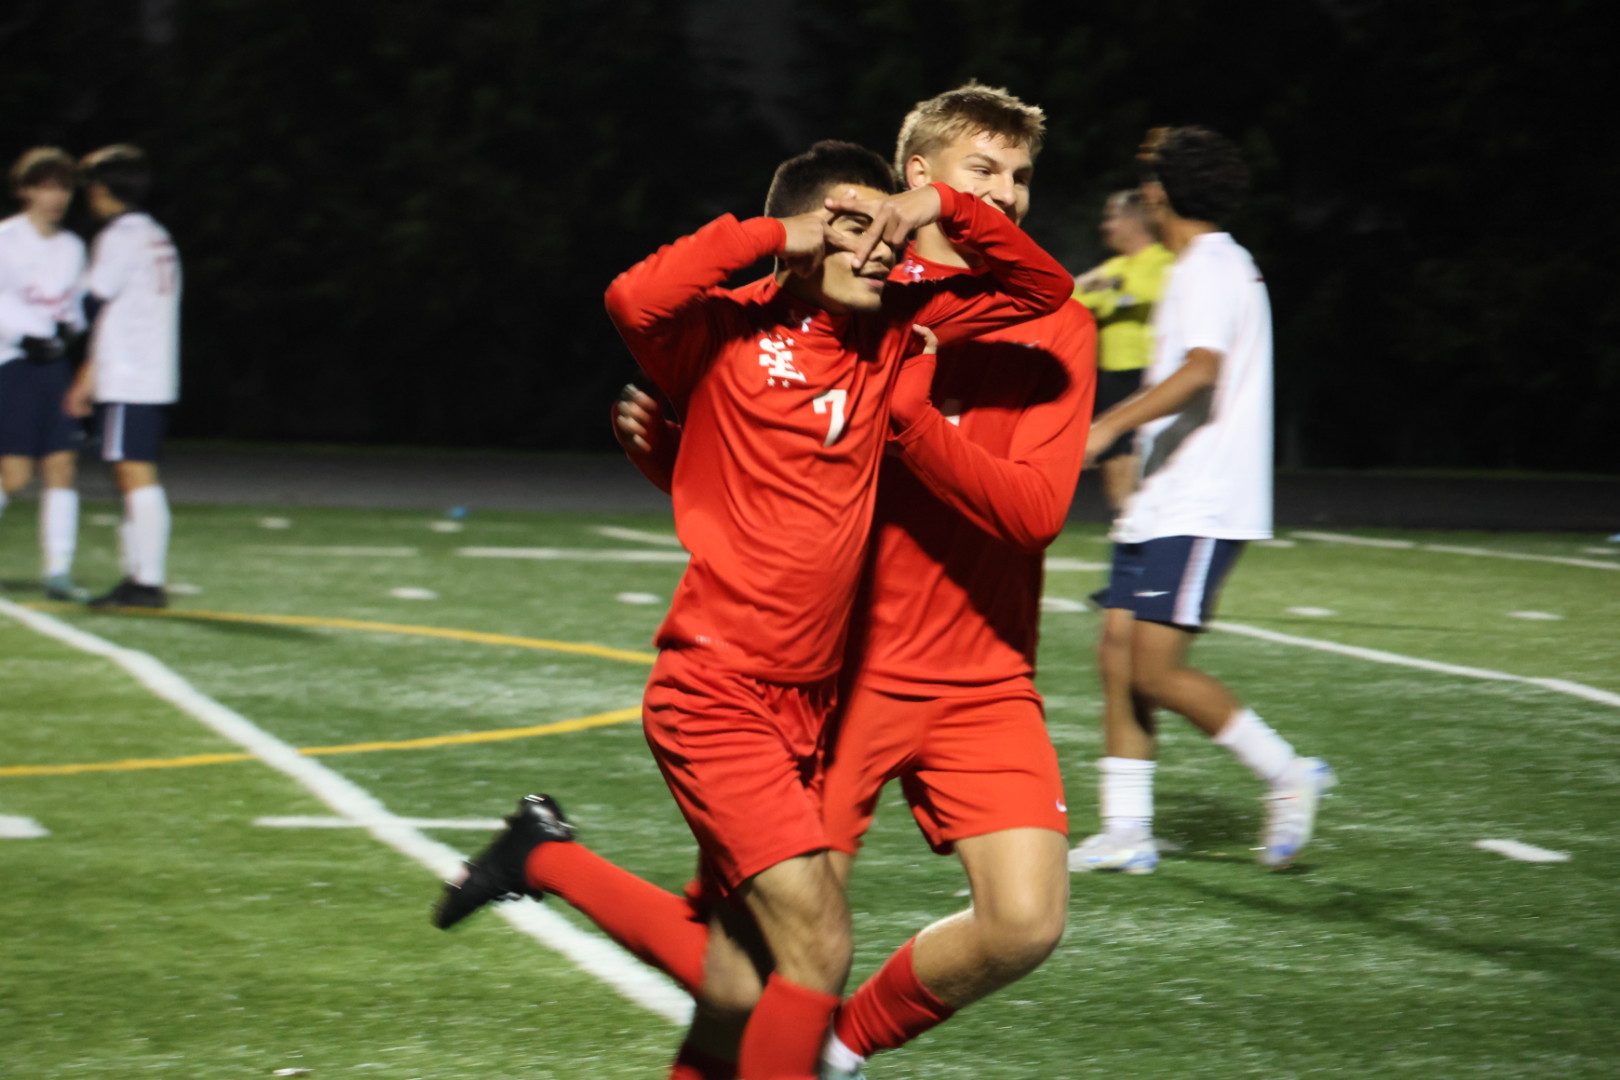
(1022, 499)
(661, 306)
(1023, 281)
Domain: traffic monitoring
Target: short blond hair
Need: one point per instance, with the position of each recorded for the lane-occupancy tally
(970, 109)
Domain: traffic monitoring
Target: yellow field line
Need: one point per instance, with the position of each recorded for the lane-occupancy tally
(579, 723)
(477, 637)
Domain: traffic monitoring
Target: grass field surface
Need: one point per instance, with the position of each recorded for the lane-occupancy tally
(161, 926)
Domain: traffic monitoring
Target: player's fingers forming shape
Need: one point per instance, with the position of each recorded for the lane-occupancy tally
(889, 221)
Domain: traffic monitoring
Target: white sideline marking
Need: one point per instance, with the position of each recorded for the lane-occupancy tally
(411, 592)
(1523, 852)
(446, 526)
(1601, 551)
(182, 589)
(106, 520)
(1059, 563)
(638, 598)
(1062, 604)
(576, 554)
(1274, 542)
(1359, 541)
(1535, 616)
(14, 827)
(1312, 612)
(336, 549)
(1378, 656)
(614, 532)
(1453, 549)
(595, 955)
(307, 822)
(275, 523)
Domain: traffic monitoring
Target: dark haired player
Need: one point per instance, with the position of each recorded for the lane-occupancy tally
(785, 386)
(40, 315)
(938, 687)
(132, 374)
(1203, 423)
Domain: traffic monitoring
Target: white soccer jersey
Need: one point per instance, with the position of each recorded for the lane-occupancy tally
(136, 349)
(1206, 471)
(39, 283)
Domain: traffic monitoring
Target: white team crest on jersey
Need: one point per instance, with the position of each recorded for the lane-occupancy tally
(912, 269)
(776, 357)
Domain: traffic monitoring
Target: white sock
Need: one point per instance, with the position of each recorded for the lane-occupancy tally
(147, 512)
(1251, 739)
(839, 1056)
(58, 529)
(3, 500)
(1125, 794)
(126, 548)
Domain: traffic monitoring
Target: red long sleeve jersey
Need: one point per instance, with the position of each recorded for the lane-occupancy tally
(785, 414)
(982, 483)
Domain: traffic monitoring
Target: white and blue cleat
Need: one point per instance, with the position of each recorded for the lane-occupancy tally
(1121, 853)
(1291, 811)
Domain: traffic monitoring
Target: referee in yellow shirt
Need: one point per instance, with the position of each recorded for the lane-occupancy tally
(1121, 294)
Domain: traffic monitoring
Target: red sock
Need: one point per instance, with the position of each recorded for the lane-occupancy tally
(784, 1035)
(693, 1064)
(661, 928)
(890, 1009)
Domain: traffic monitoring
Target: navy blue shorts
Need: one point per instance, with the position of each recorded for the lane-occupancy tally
(1171, 579)
(131, 432)
(32, 423)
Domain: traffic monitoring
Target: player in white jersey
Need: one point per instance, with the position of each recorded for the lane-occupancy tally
(40, 315)
(1204, 439)
(132, 374)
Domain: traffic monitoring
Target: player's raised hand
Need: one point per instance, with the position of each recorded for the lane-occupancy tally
(806, 244)
(891, 220)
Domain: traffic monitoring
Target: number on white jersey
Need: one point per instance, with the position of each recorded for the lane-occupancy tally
(832, 400)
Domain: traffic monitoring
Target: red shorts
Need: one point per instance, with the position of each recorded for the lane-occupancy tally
(968, 765)
(740, 756)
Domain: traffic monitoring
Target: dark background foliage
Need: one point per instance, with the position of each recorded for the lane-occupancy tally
(397, 219)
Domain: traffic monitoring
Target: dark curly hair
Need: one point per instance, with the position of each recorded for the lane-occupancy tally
(1201, 171)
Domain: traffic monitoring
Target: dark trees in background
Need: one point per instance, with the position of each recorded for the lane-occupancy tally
(397, 220)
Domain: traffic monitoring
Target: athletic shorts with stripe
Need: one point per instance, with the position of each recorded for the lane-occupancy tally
(1172, 579)
(32, 423)
(131, 432)
(967, 765)
(740, 756)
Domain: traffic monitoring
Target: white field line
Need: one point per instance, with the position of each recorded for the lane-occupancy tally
(1055, 562)
(1378, 656)
(595, 955)
(338, 550)
(16, 827)
(310, 822)
(1517, 849)
(573, 554)
(1450, 549)
(637, 536)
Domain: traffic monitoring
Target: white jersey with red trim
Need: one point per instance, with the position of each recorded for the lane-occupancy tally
(39, 283)
(135, 271)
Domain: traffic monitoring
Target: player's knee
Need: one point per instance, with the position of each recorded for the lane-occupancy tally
(1022, 935)
(731, 993)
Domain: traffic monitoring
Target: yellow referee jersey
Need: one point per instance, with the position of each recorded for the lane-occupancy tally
(1125, 315)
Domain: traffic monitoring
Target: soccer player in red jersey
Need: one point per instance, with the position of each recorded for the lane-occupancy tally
(785, 389)
(938, 684)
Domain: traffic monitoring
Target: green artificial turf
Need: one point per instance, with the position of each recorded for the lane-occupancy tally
(158, 930)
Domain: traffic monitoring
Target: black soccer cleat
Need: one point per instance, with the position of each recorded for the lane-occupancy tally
(131, 593)
(496, 873)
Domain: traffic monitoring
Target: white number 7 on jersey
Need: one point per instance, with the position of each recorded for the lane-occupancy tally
(833, 399)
